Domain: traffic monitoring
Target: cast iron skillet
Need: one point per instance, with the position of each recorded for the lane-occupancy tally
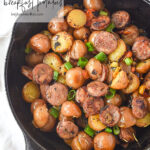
(14, 81)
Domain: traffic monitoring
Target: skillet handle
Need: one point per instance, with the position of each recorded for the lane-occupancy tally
(30, 144)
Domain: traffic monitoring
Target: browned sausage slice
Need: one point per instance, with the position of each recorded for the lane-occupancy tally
(120, 19)
(97, 88)
(92, 106)
(139, 107)
(100, 23)
(42, 74)
(57, 94)
(141, 48)
(43, 89)
(67, 129)
(27, 72)
(104, 74)
(110, 115)
(105, 42)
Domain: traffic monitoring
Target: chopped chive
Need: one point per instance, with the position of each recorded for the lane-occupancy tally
(54, 112)
(110, 27)
(101, 57)
(82, 62)
(128, 61)
(103, 13)
(109, 130)
(116, 130)
(55, 75)
(89, 131)
(111, 93)
(68, 65)
(71, 94)
(28, 50)
(90, 46)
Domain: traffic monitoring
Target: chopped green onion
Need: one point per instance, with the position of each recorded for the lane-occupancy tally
(71, 94)
(55, 75)
(90, 46)
(109, 130)
(116, 130)
(111, 93)
(54, 112)
(110, 27)
(103, 13)
(101, 57)
(89, 131)
(28, 50)
(68, 65)
(128, 61)
(82, 62)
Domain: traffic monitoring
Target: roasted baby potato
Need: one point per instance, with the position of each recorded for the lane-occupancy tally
(134, 83)
(95, 123)
(30, 92)
(53, 60)
(62, 79)
(76, 18)
(119, 52)
(62, 70)
(61, 42)
(144, 122)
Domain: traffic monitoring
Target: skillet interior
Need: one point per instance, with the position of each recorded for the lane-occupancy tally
(14, 81)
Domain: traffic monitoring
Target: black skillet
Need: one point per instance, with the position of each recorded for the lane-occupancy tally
(14, 81)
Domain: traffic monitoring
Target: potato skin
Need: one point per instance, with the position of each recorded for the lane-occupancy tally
(93, 36)
(76, 18)
(57, 25)
(61, 42)
(40, 43)
(144, 122)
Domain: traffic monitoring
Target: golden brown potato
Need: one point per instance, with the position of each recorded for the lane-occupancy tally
(64, 11)
(70, 109)
(92, 36)
(144, 122)
(82, 141)
(143, 66)
(116, 100)
(30, 92)
(133, 85)
(78, 50)
(57, 25)
(95, 123)
(53, 60)
(62, 79)
(104, 141)
(62, 70)
(121, 81)
(93, 4)
(76, 18)
(61, 42)
(74, 78)
(119, 52)
(94, 68)
(82, 33)
(40, 43)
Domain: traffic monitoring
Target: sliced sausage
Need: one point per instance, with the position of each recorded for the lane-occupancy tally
(27, 72)
(141, 48)
(104, 74)
(105, 42)
(97, 88)
(100, 23)
(127, 134)
(110, 115)
(42, 74)
(57, 94)
(139, 107)
(120, 19)
(67, 129)
(147, 81)
(43, 89)
(92, 106)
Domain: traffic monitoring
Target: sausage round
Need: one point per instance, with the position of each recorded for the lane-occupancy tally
(141, 48)
(43, 89)
(67, 129)
(92, 106)
(97, 88)
(42, 74)
(27, 72)
(40, 43)
(105, 42)
(100, 23)
(57, 94)
(139, 107)
(120, 19)
(104, 74)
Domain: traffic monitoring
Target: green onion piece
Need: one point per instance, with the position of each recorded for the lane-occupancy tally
(89, 131)
(68, 65)
(54, 112)
(109, 130)
(128, 61)
(71, 94)
(110, 27)
(111, 93)
(103, 13)
(28, 50)
(101, 57)
(90, 46)
(55, 75)
(82, 62)
(116, 130)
